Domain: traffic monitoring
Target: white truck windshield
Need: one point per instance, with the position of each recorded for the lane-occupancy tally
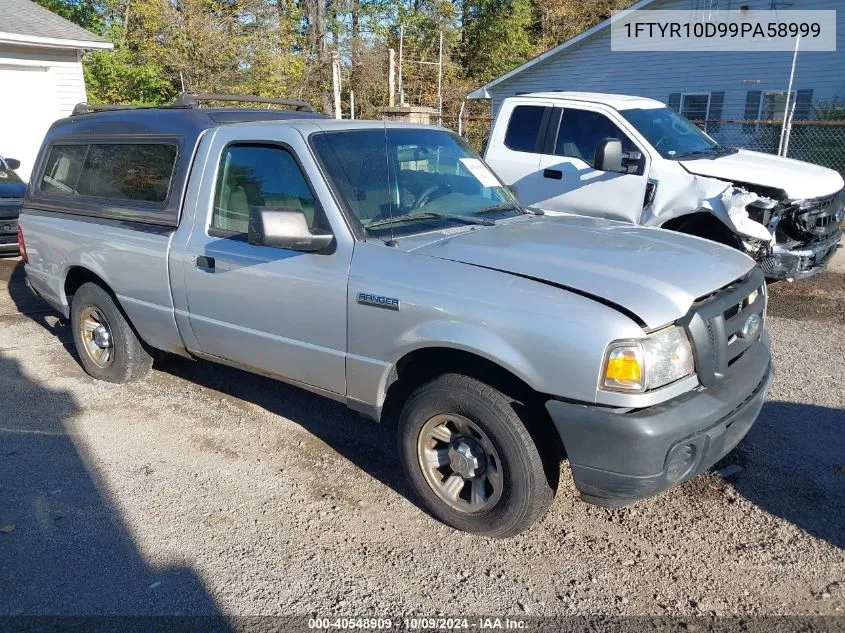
(672, 134)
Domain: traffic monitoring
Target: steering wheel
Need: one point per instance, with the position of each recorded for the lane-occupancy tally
(657, 144)
(425, 197)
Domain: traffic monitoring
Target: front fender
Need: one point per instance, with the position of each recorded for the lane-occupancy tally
(368, 379)
(677, 196)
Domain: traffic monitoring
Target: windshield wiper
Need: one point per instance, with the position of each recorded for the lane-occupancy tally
(697, 152)
(716, 150)
(496, 208)
(429, 215)
(507, 207)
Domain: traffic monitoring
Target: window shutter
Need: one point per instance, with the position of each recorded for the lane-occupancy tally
(803, 105)
(714, 115)
(675, 101)
(752, 109)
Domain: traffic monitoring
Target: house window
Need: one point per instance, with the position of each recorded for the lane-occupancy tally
(695, 105)
(773, 106)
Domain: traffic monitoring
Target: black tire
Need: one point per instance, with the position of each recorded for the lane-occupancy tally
(127, 359)
(528, 484)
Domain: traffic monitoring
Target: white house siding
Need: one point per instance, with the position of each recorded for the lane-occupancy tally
(591, 66)
(37, 86)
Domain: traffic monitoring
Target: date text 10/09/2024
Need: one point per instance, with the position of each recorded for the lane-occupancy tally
(419, 624)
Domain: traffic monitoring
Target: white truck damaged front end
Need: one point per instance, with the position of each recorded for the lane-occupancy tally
(788, 217)
(636, 160)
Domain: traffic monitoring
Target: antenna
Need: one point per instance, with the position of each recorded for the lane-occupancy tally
(392, 240)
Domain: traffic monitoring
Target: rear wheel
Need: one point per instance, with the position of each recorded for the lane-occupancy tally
(107, 346)
(471, 459)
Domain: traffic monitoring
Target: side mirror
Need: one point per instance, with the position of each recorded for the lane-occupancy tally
(609, 156)
(12, 163)
(285, 228)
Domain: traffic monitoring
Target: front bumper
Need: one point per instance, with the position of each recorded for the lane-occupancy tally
(9, 211)
(8, 241)
(801, 261)
(619, 457)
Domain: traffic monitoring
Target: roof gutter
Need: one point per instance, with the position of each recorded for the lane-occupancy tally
(53, 42)
(481, 93)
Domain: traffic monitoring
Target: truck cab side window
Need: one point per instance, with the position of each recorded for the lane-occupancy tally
(256, 176)
(63, 168)
(581, 131)
(524, 128)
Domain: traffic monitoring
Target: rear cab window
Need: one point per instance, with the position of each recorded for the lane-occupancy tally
(138, 172)
(113, 180)
(525, 128)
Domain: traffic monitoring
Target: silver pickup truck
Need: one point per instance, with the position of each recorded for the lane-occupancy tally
(383, 265)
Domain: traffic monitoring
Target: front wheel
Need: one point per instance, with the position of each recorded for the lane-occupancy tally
(107, 345)
(471, 459)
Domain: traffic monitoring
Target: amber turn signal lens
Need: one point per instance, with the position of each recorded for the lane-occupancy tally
(624, 368)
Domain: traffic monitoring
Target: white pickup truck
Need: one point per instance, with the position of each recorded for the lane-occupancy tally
(636, 160)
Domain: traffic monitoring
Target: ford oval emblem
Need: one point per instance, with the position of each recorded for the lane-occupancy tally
(751, 327)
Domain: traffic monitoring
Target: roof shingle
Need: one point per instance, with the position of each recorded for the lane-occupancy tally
(23, 19)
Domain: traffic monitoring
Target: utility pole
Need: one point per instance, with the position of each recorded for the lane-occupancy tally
(401, 45)
(440, 83)
(391, 77)
(336, 85)
(786, 128)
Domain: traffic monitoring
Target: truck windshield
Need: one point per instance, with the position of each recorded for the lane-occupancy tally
(406, 180)
(672, 134)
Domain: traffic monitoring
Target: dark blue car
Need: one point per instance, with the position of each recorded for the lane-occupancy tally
(11, 197)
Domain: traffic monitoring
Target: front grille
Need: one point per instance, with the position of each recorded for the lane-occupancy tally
(821, 217)
(8, 226)
(715, 326)
(10, 208)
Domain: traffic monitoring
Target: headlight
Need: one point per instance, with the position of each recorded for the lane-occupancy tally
(652, 362)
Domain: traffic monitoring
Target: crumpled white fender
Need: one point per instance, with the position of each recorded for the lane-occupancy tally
(677, 196)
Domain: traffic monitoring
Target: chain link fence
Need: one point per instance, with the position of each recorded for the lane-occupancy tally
(818, 142)
(475, 129)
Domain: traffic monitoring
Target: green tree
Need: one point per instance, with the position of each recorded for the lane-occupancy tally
(496, 36)
(117, 77)
(89, 14)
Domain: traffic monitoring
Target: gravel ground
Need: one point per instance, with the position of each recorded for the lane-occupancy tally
(203, 489)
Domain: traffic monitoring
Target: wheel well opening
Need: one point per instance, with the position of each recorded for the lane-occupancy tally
(420, 366)
(706, 225)
(76, 276)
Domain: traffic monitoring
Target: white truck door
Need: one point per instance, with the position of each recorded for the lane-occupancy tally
(567, 180)
(274, 310)
(516, 142)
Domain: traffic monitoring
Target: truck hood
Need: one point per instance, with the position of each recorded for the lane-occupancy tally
(798, 179)
(652, 273)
